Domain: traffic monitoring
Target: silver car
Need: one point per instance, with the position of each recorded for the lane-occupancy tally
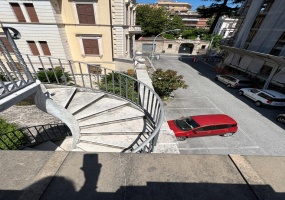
(234, 81)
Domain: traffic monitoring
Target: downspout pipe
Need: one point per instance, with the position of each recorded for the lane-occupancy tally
(111, 28)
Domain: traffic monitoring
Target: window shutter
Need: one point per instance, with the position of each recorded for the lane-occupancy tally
(45, 48)
(90, 46)
(85, 13)
(32, 12)
(18, 12)
(33, 48)
(6, 44)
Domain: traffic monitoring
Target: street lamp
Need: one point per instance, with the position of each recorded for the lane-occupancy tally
(152, 53)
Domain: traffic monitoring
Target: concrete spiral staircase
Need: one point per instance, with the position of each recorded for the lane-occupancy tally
(107, 123)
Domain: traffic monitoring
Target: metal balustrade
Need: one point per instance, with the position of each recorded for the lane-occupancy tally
(32, 136)
(79, 74)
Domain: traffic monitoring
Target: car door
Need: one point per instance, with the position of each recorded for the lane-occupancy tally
(203, 131)
(252, 93)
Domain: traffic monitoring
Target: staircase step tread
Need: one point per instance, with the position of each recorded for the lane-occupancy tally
(80, 97)
(136, 125)
(61, 95)
(97, 148)
(122, 141)
(65, 144)
(103, 104)
(48, 146)
(120, 114)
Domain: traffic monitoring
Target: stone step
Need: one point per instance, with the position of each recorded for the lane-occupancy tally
(82, 100)
(89, 147)
(131, 126)
(62, 95)
(122, 141)
(103, 105)
(48, 146)
(65, 144)
(118, 115)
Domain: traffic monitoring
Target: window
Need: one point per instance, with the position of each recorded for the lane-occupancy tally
(6, 44)
(95, 69)
(45, 48)
(203, 47)
(91, 46)
(18, 12)
(85, 13)
(33, 48)
(169, 46)
(32, 12)
(265, 96)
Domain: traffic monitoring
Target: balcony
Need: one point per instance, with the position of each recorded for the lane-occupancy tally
(135, 29)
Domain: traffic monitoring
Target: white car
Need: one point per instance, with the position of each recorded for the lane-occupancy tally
(234, 81)
(264, 97)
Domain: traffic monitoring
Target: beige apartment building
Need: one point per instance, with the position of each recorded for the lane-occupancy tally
(190, 18)
(94, 32)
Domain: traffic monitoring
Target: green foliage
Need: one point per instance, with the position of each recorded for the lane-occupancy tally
(10, 136)
(165, 82)
(127, 89)
(156, 20)
(216, 40)
(218, 9)
(58, 73)
(193, 33)
(174, 22)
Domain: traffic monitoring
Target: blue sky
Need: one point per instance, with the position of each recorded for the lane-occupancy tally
(194, 3)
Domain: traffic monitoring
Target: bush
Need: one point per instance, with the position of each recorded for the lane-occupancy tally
(52, 78)
(10, 136)
(165, 82)
(127, 89)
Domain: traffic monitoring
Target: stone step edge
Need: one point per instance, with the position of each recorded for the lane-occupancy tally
(101, 112)
(88, 104)
(102, 144)
(109, 122)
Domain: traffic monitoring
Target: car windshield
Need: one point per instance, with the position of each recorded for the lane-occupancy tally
(186, 123)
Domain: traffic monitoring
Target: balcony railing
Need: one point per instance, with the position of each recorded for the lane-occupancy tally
(79, 74)
(135, 29)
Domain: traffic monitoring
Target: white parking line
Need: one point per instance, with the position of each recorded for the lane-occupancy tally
(220, 148)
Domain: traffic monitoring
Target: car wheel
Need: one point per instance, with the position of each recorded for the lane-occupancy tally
(281, 119)
(240, 93)
(181, 138)
(216, 78)
(228, 134)
(228, 85)
(258, 103)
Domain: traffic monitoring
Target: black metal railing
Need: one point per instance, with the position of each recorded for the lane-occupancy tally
(32, 136)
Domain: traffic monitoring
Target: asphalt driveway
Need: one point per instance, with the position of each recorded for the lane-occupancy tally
(258, 134)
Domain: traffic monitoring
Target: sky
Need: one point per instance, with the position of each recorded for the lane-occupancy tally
(194, 3)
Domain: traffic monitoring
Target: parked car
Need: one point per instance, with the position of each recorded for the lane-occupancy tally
(234, 81)
(281, 118)
(264, 97)
(203, 125)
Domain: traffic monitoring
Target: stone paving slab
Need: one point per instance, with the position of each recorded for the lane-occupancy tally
(79, 175)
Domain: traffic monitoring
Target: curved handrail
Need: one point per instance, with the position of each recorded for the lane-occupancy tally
(60, 71)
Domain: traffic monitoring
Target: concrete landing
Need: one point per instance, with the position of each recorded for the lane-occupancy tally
(77, 175)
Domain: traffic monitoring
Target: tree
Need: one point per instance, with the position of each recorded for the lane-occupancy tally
(165, 82)
(217, 10)
(156, 20)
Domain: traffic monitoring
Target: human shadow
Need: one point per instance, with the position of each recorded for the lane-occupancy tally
(73, 182)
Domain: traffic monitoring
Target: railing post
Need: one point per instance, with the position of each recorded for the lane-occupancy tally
(17, 35)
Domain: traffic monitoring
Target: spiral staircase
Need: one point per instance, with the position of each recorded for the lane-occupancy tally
(107, 123)
(117, 114)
